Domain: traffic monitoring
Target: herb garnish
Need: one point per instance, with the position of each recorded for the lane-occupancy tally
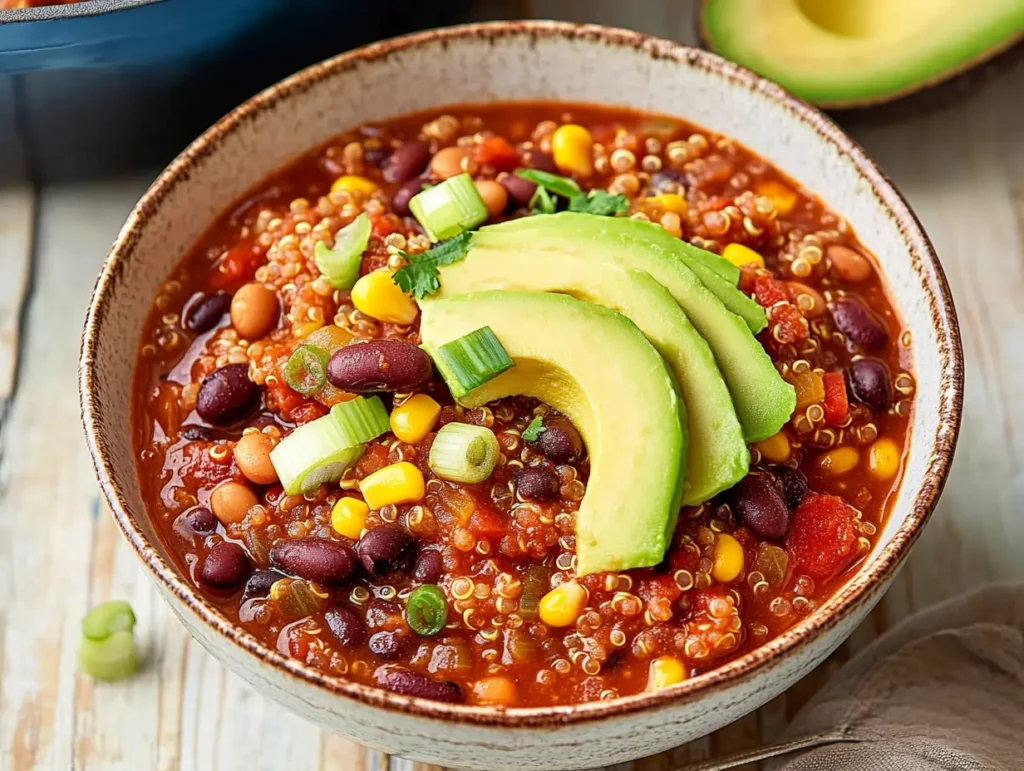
(598, 202)
(534, 430)
(420, 276)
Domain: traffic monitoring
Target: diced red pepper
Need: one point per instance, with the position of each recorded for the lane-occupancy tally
(788, 324)
(487, 524)
(821, 537)
(238, 265)
(497, 152)
(376, 458)
(748, 278)
(836, 404)
(307, 411)
(383, 225)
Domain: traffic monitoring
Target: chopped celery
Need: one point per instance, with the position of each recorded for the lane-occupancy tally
(449, 208)
(106, 618)
(342, 263)
(113, 658)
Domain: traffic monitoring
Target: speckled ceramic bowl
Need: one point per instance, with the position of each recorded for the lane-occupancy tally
(521, 61)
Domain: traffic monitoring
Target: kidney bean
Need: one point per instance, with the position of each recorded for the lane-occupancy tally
(206, 311)
(389, 645)
(259, 584)
(870, 384)
(386, 549)
(759, 507)
(227, 395)
(401, 197)
(201, 520)
(793, 485)
(858, 323)
(538, 159)
(850, 265)
(559, 441)
(379, 365)
(406, 162)
(519, 190)
(225, 566)
(408, 683)
(537, 483)
(315, 559)
(429, 566)
(346, 625)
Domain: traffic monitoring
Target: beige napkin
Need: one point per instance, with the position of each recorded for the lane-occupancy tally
(944, 690)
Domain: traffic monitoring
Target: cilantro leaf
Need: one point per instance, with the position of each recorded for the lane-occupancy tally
(534, 430)
(599, 202)
(420, 278)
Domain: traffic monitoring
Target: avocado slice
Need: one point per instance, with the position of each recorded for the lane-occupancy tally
(594, 365)
(854, 53)
(717, 457)
(717, 274)
(762, 399)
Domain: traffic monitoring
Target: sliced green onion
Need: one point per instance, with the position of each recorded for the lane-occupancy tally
(426, 610)
(563, 186)
(107, 618)
(542, 202)
(464, 453)
(306, 370)
(342, 263)
(470, 361)
(361, 419)
(113, 658)
(449, 208)
(314, 454)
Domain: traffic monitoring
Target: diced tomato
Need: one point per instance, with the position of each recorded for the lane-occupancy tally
(487, 524)
(383, 225)
(788, 324)
(298, 645)
(768, 291)
(238, 265)
(307, 411)
(662, 587)
(497, 152)
(376, 458)
(836, 404)
(821, 537)
(748, 278)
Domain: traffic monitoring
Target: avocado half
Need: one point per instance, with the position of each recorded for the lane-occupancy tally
(846, 54)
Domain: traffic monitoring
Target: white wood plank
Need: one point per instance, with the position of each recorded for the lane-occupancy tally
(17, 222)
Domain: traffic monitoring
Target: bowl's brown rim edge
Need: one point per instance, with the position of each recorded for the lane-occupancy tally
(851, 596)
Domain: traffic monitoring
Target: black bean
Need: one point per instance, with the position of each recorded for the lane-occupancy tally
(225, 566)
(537, 483)
(375, 156)
(870, 384)
(259, 583)
(559, 441)
(859, 324)
(379, 365)
(389, 645)
(197, 434)
(227, 395)
(201, 520)
(205, 311)
(386, 549)
(429, 567)
(794, 486)
(520, 191)
(346, 625)
(538, 159)
(401, 197)
(758, 506)
(406, 162)
(408, 683)
(315, 559)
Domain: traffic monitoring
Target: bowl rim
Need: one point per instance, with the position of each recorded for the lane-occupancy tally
(69, 10)
(852, 595)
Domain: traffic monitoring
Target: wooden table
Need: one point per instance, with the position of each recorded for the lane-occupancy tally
(962, 170)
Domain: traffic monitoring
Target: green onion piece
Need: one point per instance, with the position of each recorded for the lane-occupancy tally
(107, 618)
(342, 263)
(449, 208)
(470, 361)
(113, 658)
(542, 202)
(361, 419)
(426, 610)
(314, 454)
(464, 453)
(306, 370)
(563, 186)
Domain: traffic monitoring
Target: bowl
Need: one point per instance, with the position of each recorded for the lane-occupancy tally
(521, 61)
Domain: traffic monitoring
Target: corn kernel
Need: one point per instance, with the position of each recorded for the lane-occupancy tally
(495, 691)
(839, 461)
(775, 448)
(414, 418)
(884, 459)
(781, 196)
(740, 255)
(398, 483)
(353, 184)
(672, 202)
(348, 517)
(571, 146)
(563, 604)
(728, 562)
(665, 671)
(377, 295)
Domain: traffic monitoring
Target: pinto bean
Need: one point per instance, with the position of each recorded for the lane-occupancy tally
(379, 365)
(315, 559)
(254, 310)
(849, 265)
